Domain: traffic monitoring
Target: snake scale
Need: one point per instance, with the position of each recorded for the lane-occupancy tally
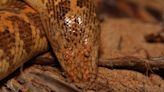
(70, 26)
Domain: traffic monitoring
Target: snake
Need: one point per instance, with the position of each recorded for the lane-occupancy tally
(69, 27)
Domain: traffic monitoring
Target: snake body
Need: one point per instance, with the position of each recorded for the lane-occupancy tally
(21, 38)
(71, 27)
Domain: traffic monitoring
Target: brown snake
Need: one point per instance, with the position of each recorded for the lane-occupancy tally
(71, 27)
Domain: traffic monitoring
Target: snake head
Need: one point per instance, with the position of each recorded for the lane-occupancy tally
(72, 29)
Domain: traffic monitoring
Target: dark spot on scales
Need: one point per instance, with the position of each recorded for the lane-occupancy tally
(7, 41)
(25, 32)
(59, 10)
(36, 21)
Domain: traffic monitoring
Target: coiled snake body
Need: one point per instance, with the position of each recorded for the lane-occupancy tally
(70, 26)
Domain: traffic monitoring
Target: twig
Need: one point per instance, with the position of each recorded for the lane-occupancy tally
(133, 63)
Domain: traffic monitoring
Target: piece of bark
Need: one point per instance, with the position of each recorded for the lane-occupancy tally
(39, 79)
(125, 81)
(124, 44)
(45, 79)
(126, 37)
(156, 4)
(56, 84)
(125, 8)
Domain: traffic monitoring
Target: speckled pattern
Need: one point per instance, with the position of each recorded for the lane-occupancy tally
(72, 28)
